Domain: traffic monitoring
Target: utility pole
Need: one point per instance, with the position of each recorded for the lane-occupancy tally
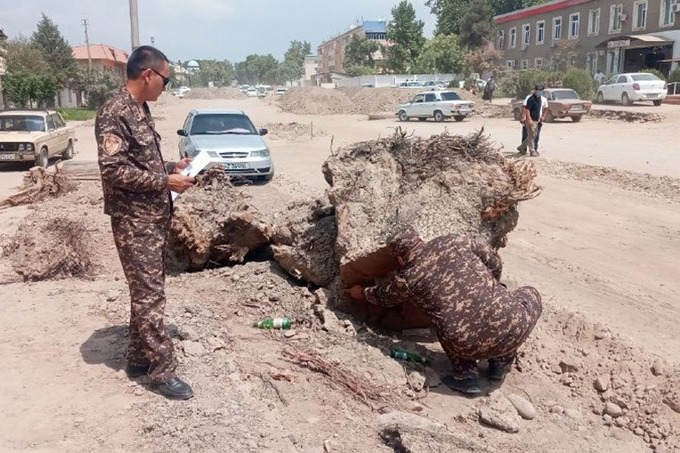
(3, 37)
(87, 43)
(134, 24)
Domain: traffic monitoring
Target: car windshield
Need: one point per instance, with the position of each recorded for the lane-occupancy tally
(566, 94)
(222, 123)
(643, 77)
(450, 97)
(12, 123)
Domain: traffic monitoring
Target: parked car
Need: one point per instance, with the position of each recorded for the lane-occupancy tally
(633, 87)
(251, 92)
(35, 136)
(438, 105)
(562, 103)
(232, 135)
(281, 91)
(411, 84)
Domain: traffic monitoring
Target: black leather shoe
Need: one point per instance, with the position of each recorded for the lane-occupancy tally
(176, 389)
(468, 385)
(135, 371)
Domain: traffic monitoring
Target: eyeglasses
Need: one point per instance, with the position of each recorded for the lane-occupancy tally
(166, 80)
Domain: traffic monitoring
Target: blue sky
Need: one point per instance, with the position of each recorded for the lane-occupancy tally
(219, 29)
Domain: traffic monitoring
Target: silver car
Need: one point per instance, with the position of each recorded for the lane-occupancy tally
(232, 135)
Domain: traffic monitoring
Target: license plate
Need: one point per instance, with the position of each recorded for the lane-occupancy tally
(235, 166)
(8, 156)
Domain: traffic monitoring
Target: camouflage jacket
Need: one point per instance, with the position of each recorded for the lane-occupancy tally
(455, 281)
(134, 175)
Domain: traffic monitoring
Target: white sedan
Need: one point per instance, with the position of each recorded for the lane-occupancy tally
(628, 88)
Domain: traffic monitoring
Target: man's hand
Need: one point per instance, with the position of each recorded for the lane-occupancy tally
(179, 183)
(182, 165)
(356, 292)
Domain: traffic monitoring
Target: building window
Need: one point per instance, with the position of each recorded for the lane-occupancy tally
(615, 18)
(612, 62)
(640, 15)
(501, 40)
(574, 22)
(591, 62)
(540, 32)
(594, 22)
(510, 64)
(526, 35)
(513, 38)
(557, 28)
(525, 64)
(667, 15)
(538, 63)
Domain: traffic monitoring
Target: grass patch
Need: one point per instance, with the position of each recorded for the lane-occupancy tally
(77, 114)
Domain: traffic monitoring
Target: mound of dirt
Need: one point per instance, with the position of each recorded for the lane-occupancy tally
(628, 116)
(344, 101)
(294, 131)
(665, 187)
(215, 93)
(53, 247)
(213, 223)
(41, 184)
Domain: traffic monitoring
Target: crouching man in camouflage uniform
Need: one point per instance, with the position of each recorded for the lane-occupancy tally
(455, 281)
(137, 184)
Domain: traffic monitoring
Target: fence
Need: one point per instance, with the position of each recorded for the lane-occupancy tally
(673, 88)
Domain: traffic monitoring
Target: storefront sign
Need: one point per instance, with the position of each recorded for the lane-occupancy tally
(619, 43)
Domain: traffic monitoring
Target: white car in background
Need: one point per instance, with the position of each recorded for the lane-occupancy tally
(632, 87)
(438, 105)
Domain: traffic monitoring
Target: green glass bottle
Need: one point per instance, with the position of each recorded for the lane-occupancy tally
(400, 354)
(274, 323)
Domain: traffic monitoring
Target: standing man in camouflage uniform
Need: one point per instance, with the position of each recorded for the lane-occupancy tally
(137, 184)
(455, 280)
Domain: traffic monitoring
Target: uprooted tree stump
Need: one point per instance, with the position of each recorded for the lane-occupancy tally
(40, 184)
(52, 248)
(440, 185)
(213, 223)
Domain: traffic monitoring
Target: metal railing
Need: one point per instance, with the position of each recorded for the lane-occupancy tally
(673, 88)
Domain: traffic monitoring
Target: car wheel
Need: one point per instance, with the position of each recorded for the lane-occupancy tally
(625, 100)
(517, 114)
(658, 103)
(422, 119)
(68, 153)
(41, 160)
(549, 118)
(403, 116)
(459, 118)
(600, 97)
(576, 118)
(438, 116)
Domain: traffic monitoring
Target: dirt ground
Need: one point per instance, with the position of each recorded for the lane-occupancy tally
(601, 370)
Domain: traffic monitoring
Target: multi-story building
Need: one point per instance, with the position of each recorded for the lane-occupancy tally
(104, 58)
(610, 35)
(332, 52)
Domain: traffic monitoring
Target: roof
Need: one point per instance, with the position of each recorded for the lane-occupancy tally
(375, 26)
(100, 52)
(536, 10)
(218, 111)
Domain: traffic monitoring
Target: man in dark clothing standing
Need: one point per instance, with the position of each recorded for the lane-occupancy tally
(455, 281)
(137, 184)
(533, 115)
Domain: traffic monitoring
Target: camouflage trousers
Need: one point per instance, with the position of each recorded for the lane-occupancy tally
(503, 350)
(141, 248)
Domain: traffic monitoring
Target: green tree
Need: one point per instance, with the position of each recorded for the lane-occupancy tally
(55, 49)
(565, 54)
(442, 54)
(405, 33)
(359, 54)
(29, 90)
(293, 65)
(220, 73)
(483, 60)
(476, 27)
(449, 15)
(258, 69)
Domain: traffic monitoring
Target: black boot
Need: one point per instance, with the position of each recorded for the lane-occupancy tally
(176, 389)
(499, 368)
(468, 385)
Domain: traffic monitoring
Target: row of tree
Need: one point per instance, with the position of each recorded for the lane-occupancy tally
(255, 69)
(464, 29)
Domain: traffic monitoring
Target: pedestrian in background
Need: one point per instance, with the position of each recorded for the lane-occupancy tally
(534, 111)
